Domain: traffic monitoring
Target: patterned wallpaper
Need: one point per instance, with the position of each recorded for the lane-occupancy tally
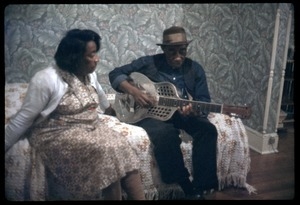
(233, 42)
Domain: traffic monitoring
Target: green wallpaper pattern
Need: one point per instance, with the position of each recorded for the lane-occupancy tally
(232, 41)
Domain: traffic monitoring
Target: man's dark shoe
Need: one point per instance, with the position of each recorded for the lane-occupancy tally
(194, 197)
(209, 191)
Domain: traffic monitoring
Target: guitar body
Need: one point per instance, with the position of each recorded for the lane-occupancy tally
(167, 101)
(127, 110)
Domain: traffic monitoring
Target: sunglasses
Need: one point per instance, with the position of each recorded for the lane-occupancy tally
(173, 50)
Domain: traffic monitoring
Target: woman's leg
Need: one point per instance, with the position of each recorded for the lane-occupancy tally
(113, 191)
(132, 185)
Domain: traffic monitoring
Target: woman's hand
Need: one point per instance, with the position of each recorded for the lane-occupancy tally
(110, 111)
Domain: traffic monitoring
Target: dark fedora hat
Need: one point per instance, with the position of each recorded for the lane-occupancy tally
(173, 36)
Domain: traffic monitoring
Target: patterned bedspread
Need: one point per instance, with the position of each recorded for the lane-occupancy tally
(25, 175)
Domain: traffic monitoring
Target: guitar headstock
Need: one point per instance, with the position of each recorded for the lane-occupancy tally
(243, 112)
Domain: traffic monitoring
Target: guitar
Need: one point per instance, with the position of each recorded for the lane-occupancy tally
(167, 102)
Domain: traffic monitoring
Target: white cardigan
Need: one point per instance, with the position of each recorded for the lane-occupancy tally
(45, 90)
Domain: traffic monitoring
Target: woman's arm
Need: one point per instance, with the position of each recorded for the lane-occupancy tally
(37, 97)
(104, 103)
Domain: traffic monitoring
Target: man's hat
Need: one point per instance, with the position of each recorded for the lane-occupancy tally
(173, 36)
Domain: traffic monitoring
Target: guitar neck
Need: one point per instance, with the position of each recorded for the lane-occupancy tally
(167, 100)
(198, 106)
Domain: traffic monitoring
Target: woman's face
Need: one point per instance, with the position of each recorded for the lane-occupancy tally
(90, 60)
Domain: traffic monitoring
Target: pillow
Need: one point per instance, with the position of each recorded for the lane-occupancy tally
(14, 96)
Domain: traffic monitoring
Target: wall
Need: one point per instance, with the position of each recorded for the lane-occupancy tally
(232, 41)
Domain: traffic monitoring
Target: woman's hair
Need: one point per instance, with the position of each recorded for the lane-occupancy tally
(70, 52)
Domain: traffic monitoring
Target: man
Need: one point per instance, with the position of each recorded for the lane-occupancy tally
(189, 78)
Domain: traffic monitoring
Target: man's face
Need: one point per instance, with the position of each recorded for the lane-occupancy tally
(175, 54)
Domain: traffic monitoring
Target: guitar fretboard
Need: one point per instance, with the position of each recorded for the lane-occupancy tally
(197, 106)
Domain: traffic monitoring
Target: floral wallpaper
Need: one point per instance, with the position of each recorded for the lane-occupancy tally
(233, 42)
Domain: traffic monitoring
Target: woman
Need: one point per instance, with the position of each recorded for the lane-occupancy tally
(61, 111)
